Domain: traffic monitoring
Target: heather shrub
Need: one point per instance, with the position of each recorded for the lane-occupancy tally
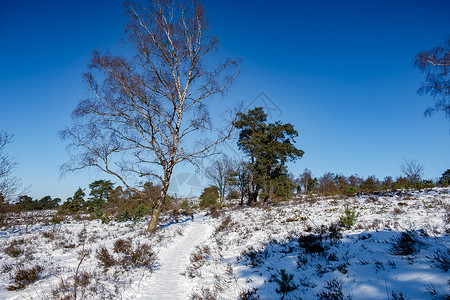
(106, 260)
(405, 244)
(249, 294)
(25, 277)
(122, 246)
(15, 248)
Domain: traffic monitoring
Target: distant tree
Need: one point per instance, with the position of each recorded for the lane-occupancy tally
(151, 193)
(282, 188)
(269, 147)
(25, 202)
(48, 203)
(240, 179)
(4, 208)
(233, 194)
(100, 193)
(124, 204)
(427, 184)
(326, 183)
(355, 181)
(412, 170)
(402, 183)
(306, 181)
(9, 184)
(388, 183)
(445, 178)
(435, 64)
(341, 183)
(74, 204)
(220, 172)
(209, 196)
(143, 112)
(370, 185)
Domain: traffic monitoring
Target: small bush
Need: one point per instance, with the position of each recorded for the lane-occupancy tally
(201, 254)
(106, 260)
(398, 296)
(302, 260)
(209, 197)
(250, 294)
(311, 243)
(435, 295)
(15, 248)
(184, 205)
(334, 233)
(132, 257)
(285, 283)
(124, 216)
(141, 211)
(441, 260)
(405, 244)
(198, 259)
(225, 225)
(349, 217)
(122, 246)
(49, 235)
(143, 256)
(214, 212)
(398, 211)
(254, 257)
(204, 294)
(332, 291)
(25, 277)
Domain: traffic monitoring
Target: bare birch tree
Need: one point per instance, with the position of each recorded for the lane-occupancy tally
(412, 169)
(8, 183)
(220, 173)
(140, 112)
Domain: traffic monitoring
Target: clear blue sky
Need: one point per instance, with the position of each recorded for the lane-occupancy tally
(340, 71)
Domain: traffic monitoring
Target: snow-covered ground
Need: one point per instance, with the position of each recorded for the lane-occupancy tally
(397, 249)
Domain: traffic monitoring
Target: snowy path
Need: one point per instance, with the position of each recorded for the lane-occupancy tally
(166, 282)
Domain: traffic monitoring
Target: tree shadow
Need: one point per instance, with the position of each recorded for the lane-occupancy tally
(368, 265)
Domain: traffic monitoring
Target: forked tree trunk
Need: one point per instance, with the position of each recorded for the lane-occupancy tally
(153, 224)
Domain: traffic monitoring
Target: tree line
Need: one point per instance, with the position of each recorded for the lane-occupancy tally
(235, 180)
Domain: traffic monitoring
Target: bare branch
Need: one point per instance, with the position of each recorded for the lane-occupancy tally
(143, 111)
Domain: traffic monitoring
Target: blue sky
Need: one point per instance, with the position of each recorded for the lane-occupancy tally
(340, 71)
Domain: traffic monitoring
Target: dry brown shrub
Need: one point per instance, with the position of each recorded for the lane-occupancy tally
(143, 256)
(122, 246)
(15, 248)
(25, 277)
(106, 260)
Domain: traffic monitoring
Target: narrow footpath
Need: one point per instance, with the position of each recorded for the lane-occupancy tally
(166, 282)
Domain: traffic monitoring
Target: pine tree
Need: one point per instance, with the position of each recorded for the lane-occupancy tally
(445, 178)
(269, 147)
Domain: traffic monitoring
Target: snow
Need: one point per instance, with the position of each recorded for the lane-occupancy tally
(244, 250)
(167, 282)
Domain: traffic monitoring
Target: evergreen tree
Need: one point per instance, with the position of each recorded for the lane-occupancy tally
(76, 203)
(100, 193)
(269, 147)
(445, 178)
(209, 196)
(370, 185)
(25, 202)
